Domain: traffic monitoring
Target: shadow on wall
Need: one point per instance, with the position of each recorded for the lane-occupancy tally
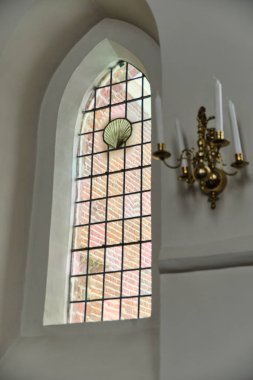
(134, 12)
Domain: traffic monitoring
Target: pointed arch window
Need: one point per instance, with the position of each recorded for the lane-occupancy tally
(110, 275)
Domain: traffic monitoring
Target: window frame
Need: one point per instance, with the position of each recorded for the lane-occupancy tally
(91, 108)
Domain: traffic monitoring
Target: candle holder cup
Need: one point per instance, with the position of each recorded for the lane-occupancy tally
(239, 162)
(161, 153)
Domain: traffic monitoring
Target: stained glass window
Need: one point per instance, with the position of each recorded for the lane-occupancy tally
(110, 276)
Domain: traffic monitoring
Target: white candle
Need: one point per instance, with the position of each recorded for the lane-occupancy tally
(159, 119)
(181, 145)
(218, 106)
(234, 126)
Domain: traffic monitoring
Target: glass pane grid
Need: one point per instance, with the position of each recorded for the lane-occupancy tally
(147, 121)
(133, 104)
(121, 149)
(102, 169)
(97, 268)
(110, 275)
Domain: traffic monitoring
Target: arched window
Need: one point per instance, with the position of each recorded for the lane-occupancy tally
(110, 275)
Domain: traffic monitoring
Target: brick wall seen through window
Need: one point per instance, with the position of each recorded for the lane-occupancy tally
(110, 275)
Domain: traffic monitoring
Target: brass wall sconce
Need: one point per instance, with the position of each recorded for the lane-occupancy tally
(205, 165)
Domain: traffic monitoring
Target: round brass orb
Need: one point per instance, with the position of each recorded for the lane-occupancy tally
(201, 172)
(213, 180)
(200, 143)
(216, 182)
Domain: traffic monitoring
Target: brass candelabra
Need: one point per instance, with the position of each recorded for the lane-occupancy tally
(205, 165)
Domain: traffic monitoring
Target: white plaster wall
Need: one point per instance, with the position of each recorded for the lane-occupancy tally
(123, 356)
(201, 39)
(134, 342)
(207, 325)
(206, 319)
(35, 35)
(27, 61)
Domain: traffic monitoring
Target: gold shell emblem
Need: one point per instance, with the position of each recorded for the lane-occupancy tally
(117, 132)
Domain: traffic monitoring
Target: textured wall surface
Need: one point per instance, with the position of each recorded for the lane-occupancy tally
(206, 317)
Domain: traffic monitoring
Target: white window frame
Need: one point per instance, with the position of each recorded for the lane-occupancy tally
(46, 287)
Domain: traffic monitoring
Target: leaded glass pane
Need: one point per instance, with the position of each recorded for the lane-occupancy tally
(119, 72)
(76, 312)
(115, 208)
(95, 287)
(134, 89)
(82, 214)
(133, 156)
(96, 261)
(129, 308)
(111, 310)
(133, 72)
(112, 285)
(79, 263)
(132, 205)
(136, 137)
(118, 93)
(131, 256)
(145, 307)
(131, 283)
(93, 311)
(78, 288)
(113, 258)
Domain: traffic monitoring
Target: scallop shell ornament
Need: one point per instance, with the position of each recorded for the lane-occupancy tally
(117, 132)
